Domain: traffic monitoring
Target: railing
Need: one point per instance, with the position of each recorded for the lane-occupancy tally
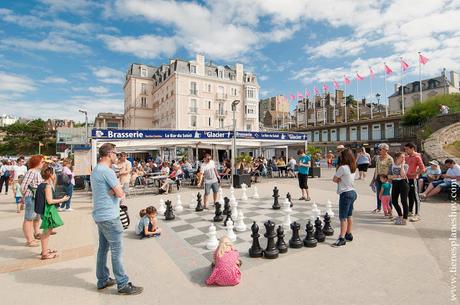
(221, 96)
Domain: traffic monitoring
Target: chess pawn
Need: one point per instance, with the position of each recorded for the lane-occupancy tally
(271, 251)
(276, 205)
(287, 205)
(309, 240)
(280, 243)
(218, 217)
(295, 241)
(256, 249)
(255, 195)
(244, 197)
(230, 234)
(240, 225)
(212, 241)
(327, 229)
(162, 207)
(288, 196)
(179, 208)
(329, 209)
(319, 235)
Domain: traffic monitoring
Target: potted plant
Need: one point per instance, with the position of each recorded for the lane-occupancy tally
(315, 154)
(242, 166)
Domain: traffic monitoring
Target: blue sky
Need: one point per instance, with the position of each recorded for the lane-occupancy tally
(57, 56)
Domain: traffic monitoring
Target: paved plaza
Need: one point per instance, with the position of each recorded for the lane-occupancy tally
(385, 264)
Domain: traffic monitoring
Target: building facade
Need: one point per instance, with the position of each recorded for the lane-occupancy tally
(109, 120)
(274, 111)
(430, 88)
(190, 95)
(54, 124)
(6, 120)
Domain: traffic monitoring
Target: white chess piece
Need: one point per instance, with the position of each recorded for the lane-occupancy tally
(244, 188)
(232, 193)
(179, 208)
(212, 241)
(162, 208)
(287, 213)
(240, 225)
(192, 204)
(230, 234)
(329, 209)
(287, 205)
(255, 195)
(221, 197)
(234, 206)
(316, 212)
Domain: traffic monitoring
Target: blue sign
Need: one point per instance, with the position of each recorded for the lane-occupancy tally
(118, 134)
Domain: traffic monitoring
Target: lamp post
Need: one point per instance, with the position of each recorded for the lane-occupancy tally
(85, 112)
(234, 103)
(377, 96)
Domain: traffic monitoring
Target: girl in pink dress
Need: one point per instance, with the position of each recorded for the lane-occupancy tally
(226, 270)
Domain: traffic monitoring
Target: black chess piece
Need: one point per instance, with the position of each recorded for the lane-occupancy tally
(199, 205)
(229, 217)
(295, 241)
(226, 205)
(218, 214)
(256, 249)
(276, 205)
(169, 213)
(280, 243)
(327, 229)
(288, 196)
(319, 235)
(309, 240)
(271, 251)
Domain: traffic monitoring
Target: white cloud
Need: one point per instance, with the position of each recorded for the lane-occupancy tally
(10, 83)
(55, 80)
(98, 90)
(108, 75)
(262, 77)
(76, 7)
(54, 42)
(337, 47)
(146, 46)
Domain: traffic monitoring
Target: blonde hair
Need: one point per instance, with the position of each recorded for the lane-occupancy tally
(225, 245)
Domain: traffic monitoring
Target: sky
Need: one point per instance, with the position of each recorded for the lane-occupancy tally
(58, 56)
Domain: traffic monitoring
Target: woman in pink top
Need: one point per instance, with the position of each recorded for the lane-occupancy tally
(226, 270)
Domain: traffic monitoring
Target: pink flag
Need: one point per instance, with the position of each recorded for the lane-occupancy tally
(371, 73)
(336, 85)
(325, 87)
(359, 77)
(388, 69)
(404, 65)
(346, 80)
(300, 95)
(316, 91)
(422, 59)
(292, 97)
(307, 93)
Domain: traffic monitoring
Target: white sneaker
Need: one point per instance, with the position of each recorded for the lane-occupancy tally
(415, 218)
(69, 210)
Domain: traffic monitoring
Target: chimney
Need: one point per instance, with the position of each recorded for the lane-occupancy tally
(396, 87)
(239, 73)
(454, 79)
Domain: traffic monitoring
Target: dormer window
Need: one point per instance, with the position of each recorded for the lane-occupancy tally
(209, 73)
(221, 74)
(192, 69)
(143, 72)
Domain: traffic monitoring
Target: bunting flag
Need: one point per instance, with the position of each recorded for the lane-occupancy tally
(325, 87)
(371, 73)
(346, 80)
(316, 91)
(292, 97)
(336, 84)
(422, 59)
(404, 65)
(388, 70)
(359, 77)
(300, 95)
(307, 93)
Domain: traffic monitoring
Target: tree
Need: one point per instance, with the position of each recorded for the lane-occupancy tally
(350, 100)
(23, 139)
(422, 112)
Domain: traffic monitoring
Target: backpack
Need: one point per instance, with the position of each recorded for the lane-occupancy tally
(40, 200)
(124, 217)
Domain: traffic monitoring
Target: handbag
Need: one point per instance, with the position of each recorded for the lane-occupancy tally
(124, 216)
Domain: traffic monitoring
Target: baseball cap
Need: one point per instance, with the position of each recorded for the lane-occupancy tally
(340, 146)
(434, 162)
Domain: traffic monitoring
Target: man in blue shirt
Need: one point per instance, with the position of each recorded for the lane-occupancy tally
(304, 170)
(107, 193)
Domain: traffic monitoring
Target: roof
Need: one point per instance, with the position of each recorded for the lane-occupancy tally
(427, 84)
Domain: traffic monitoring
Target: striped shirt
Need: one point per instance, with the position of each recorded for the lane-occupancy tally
(32, 178)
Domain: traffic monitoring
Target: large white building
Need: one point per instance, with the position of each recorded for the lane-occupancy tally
(190, 95)
(6, 120)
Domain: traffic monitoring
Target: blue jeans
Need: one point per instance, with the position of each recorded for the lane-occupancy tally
(68, 190)
(346, 201)
(110, 236)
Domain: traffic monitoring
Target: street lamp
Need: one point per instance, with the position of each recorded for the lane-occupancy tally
(377, 96)
(234, 103)
(86, 123)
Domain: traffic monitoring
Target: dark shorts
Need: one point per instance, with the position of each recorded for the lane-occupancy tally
(444, 185)
(346, 201)
(363, 167)
(303, 181)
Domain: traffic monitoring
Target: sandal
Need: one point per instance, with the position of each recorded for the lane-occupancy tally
(53, 233)
(48, 256)
(375, 211)
(52, 251)
(38, 236)
(33, 243)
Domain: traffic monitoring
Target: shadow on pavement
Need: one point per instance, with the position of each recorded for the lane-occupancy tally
(199, 276)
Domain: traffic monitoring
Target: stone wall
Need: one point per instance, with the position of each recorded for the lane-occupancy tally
(433, 146)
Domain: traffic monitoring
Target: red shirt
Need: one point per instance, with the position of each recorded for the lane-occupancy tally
(414, 161)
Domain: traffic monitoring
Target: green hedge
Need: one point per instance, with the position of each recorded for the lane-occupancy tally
(422, 112)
